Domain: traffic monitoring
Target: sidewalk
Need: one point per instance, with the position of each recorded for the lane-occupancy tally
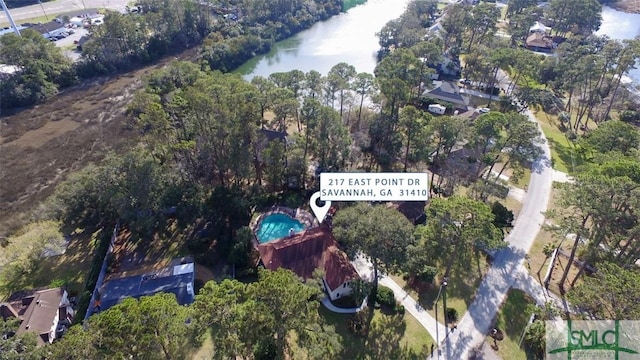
(365, 270)
(327, 303)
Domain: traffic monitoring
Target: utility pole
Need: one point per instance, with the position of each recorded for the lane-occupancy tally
(13, 24)
(442, 285)
(45, 13)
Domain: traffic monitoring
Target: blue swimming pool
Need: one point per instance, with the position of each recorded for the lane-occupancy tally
(276, 226)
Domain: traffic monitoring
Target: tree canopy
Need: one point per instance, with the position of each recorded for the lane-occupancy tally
(380, 233)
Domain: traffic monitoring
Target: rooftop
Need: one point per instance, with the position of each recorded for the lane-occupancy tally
(177, 278)
(37, 310)
(447, 91)
(306, 251)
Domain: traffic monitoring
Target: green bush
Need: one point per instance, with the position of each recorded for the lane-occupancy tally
(400, 309)
(83, 305)
(385, 297)
(452, 315)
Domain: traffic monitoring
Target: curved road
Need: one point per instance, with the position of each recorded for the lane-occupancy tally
(474, 326)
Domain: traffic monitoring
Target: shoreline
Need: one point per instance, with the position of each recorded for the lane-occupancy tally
(627, 6)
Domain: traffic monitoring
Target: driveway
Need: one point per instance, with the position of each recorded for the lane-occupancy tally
(504, 270)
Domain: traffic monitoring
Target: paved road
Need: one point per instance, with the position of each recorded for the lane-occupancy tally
(57, 7)
(475, 324)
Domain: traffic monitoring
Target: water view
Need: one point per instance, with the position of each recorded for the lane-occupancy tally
(349, 37)
(620, 25)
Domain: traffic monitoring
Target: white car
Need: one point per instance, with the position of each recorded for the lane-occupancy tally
(483, 110)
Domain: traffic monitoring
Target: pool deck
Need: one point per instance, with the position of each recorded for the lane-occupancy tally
(307, 219)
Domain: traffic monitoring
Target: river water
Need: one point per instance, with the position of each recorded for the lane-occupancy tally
(620, 25)
(348, 37)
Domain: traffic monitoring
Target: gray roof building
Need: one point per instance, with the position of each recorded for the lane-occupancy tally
(177, 278)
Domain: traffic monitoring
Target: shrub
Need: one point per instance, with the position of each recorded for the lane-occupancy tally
(400, 309)
(385, 297)
(427, 274)
(452, 315)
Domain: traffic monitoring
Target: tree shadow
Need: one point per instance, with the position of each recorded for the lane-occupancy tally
(384, 338)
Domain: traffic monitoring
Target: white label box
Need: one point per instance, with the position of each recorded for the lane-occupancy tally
(374, 186)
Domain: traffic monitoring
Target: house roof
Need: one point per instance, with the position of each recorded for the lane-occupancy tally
(538, 40)
(449, 92)
(306, 251)
(47, 27)
(539, 27)
(36, 309)
(176, 278)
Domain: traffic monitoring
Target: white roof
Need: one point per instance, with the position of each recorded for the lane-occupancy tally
(539, 27)
(182, 269)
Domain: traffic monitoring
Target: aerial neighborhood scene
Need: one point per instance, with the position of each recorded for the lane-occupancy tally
(319, 179)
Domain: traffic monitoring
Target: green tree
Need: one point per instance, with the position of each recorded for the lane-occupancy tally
(21, 255)
(41, 68)
(342, 74)
(611, 293)
(457, 227)
(262, 316)
(577, 16)
(153, 327)
(613, 135)
(362, 84)
(380, 233)
(17, 346)
(414, 127)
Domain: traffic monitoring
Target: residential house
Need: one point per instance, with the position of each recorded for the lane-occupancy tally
(47, 313)
(537, 41)
(177, 278)
(448, 92)
(312, 249)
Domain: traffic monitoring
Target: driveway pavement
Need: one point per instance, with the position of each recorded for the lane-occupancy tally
(476, 323)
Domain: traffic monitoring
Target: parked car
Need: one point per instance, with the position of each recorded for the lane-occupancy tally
(483, 110)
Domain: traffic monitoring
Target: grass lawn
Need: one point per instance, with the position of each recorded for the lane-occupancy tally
(69, 268)
(461, 289)
(564, 154)
(389, 337)
(512, 320)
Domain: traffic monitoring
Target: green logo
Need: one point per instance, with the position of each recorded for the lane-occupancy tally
(592, 339)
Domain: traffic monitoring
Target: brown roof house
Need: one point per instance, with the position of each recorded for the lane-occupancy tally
(539, 42)
(309, 250)
(47, 313)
